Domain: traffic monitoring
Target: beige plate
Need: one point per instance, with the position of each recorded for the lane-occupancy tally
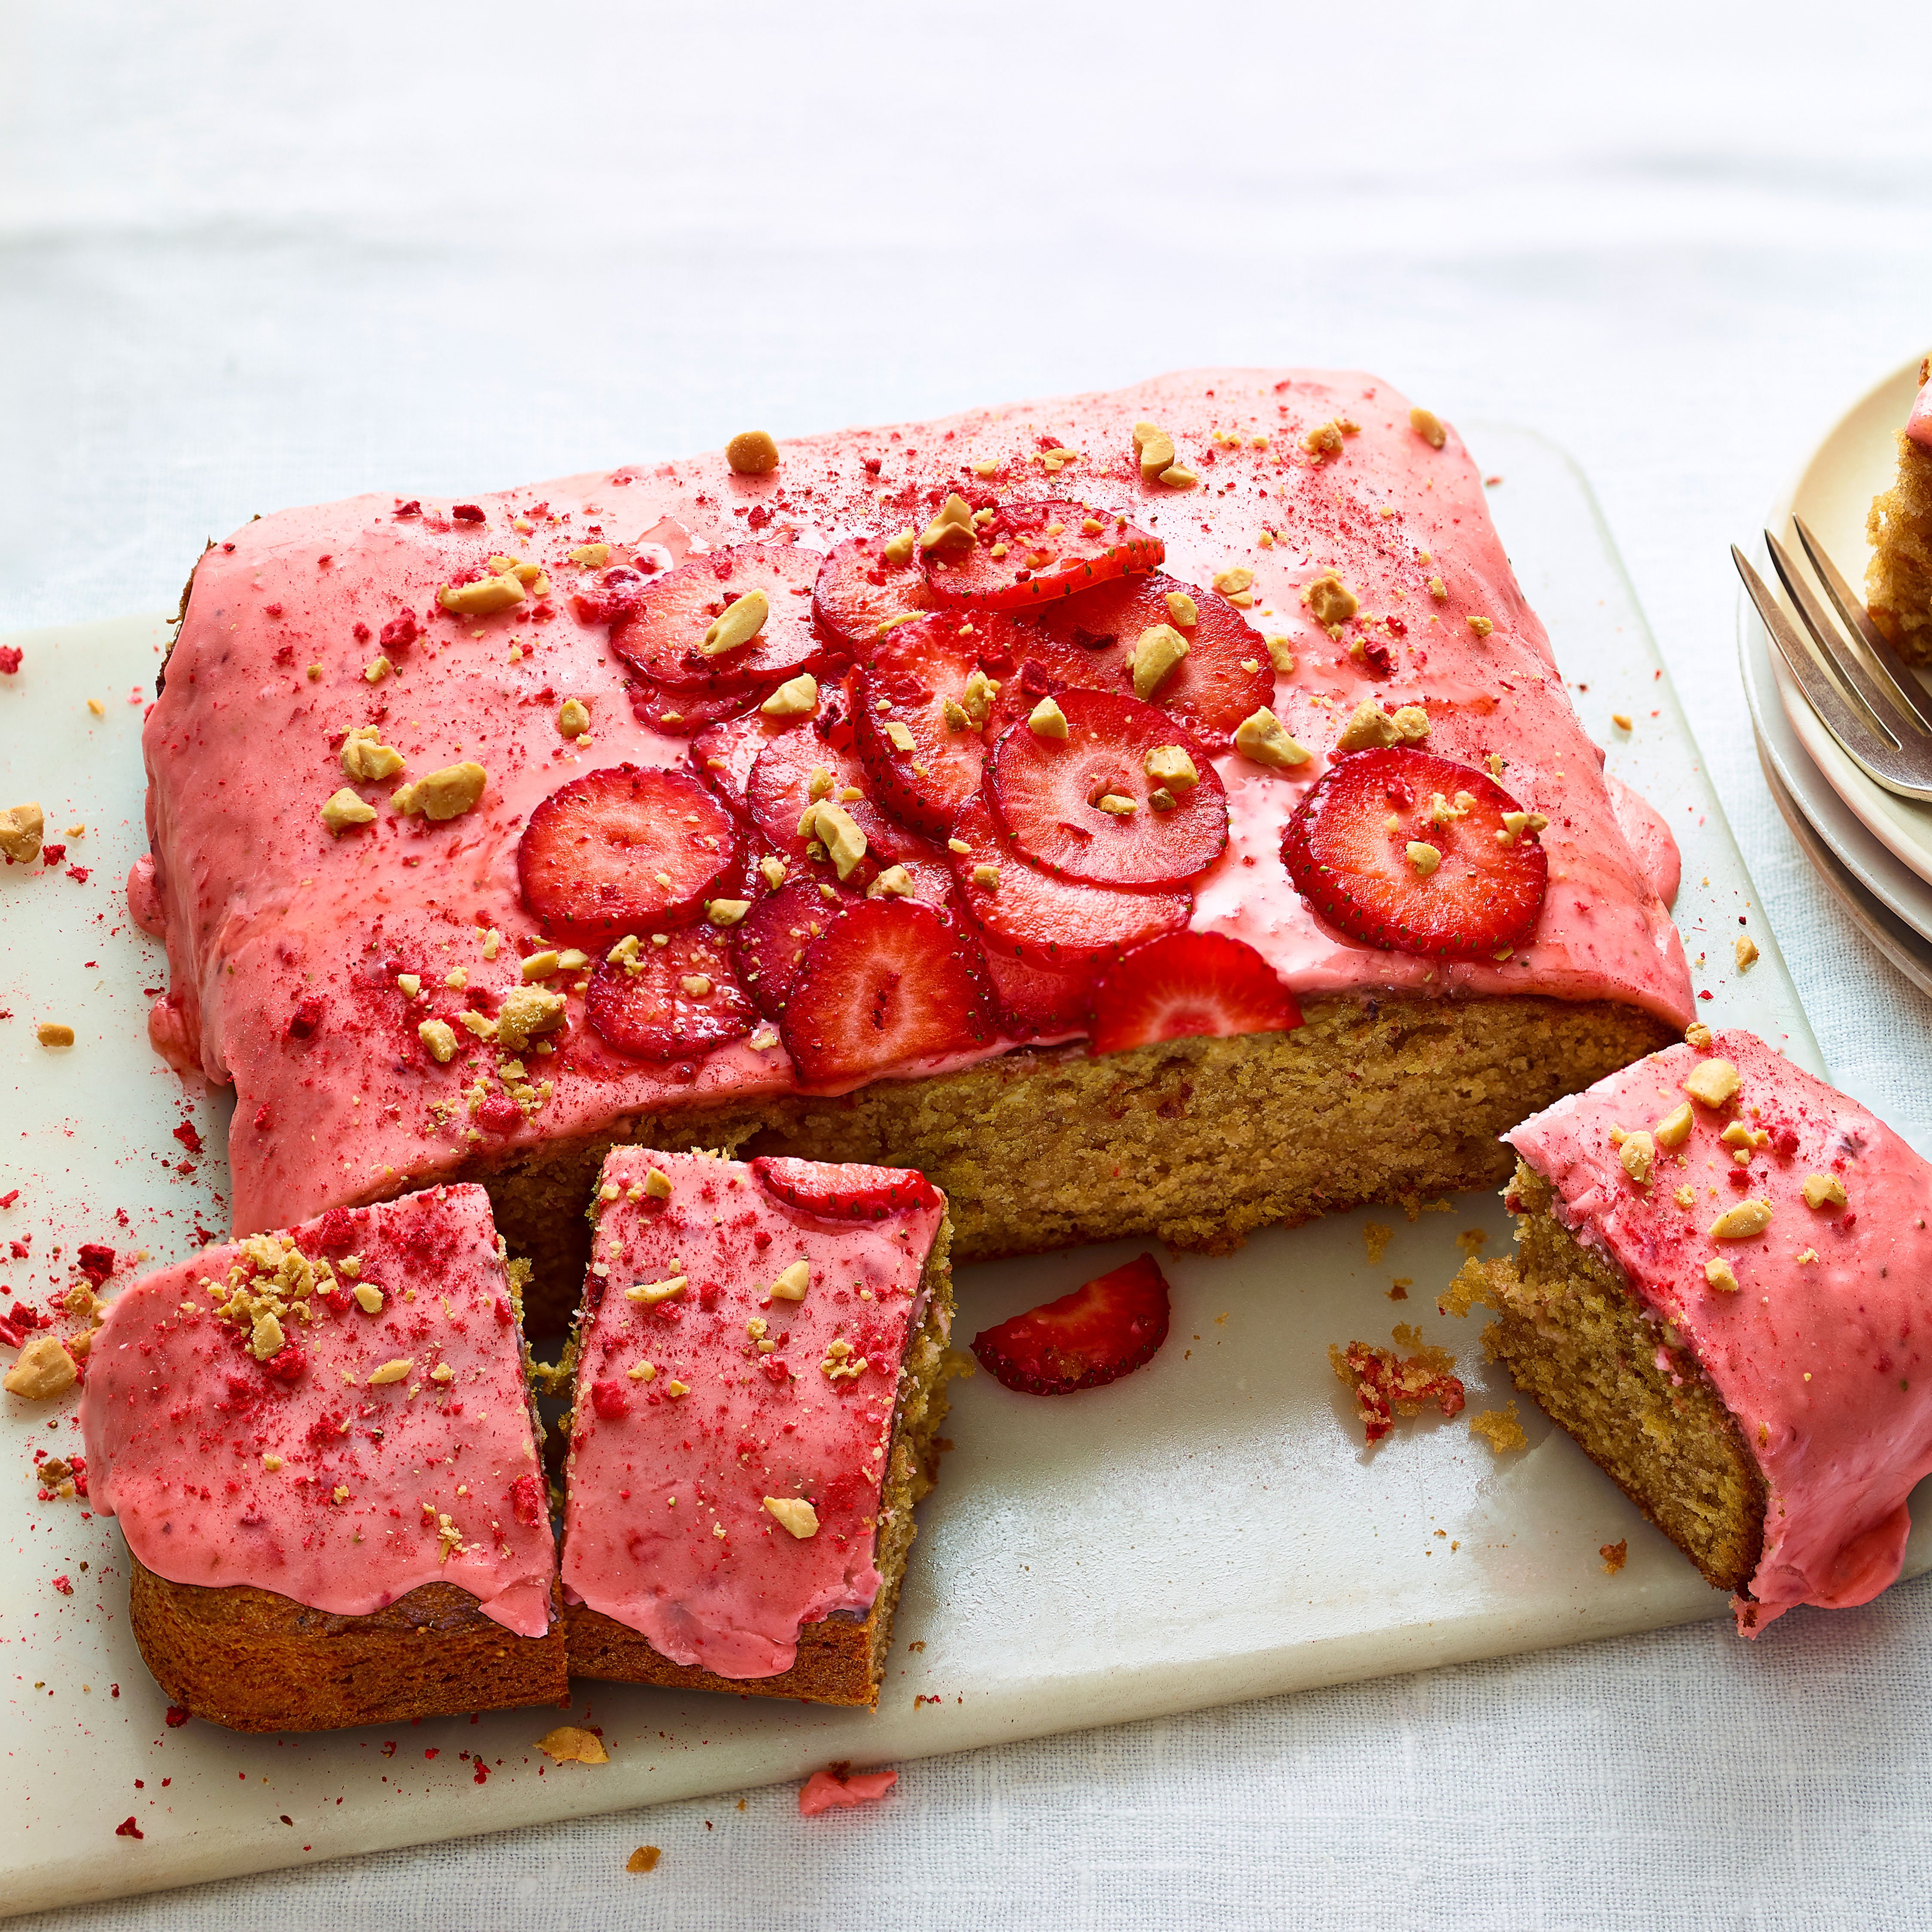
(1857, 458)
(1208, 1529)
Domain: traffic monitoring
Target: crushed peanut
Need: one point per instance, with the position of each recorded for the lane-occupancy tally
(445, 794)
(573, 718)
(1160, 647)
(1741, 1223)
(1330, 602)
(1047, 720)
(1674, 1129)
(1718, 1272)
(795, 1514)
(22, 828)
(752, 452)
(1823, 1190)
(1261, 738)
(1713, 1083)
(1638, 1155)
(797, 697)
(744, 617)
(440, 1039)
(1746, 950)
(1169, 765)
(1429, 426)
(44, 1369)
(342, 808)
(792, 1285)
(364, 756)
(1183, 609)
(650, 1293)
(52, 1033)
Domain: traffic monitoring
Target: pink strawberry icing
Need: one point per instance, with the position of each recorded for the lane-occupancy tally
(1823, 1353)
(1919, 424)
(287, 944)
(299, 1474)
(655, 1475)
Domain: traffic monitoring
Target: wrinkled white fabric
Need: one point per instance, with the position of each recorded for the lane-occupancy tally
(251, 257)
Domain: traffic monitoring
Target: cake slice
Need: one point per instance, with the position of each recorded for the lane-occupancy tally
(1722, 1289)
(760, 1372)
(1898, 580)
(320, 1447)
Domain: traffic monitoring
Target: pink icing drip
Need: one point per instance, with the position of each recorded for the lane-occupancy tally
(262, 905)
(734, 1603)
(1919, 424)
(1826, 1363)
(178, 1416)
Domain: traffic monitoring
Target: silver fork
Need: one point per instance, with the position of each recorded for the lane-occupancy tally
(1886, 726)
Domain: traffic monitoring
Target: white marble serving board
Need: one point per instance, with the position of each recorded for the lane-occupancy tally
(1211, 1528)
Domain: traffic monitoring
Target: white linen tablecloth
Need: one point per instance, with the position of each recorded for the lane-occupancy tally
(251, 257)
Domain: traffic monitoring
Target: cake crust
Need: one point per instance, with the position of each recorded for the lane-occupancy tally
(251, 1660)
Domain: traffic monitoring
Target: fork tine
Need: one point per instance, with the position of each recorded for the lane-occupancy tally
(1850, 730)
(1910, 690)
(1837, 653)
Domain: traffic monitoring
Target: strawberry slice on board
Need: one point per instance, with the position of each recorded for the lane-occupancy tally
(669, 1002)
(1103, 1330)
(1029, 553)
(1039, 1001)
(1189, 985)
(859, 590)
(664, 638)
(678, 713)
(624, 849)
(768, 944)
(1048, 793)
(1225, 676)
(1410, 852)
(889, 981)
(1027, 914)
(844, 1190)
(910, 716)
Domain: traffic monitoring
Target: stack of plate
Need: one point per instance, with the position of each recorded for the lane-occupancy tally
(1872, 848)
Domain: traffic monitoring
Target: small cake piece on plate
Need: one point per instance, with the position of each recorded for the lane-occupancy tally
(760, 1371)
(1722, 1289)
(1898, 581)
(320, 1446)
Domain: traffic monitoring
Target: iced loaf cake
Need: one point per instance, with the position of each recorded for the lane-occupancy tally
(1151, 813)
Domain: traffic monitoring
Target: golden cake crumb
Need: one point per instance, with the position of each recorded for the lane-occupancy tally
(1482, 626)
(1500, 1428)
(1697, 1034)
(1375, 1237)
(1614, 1555)
(643, 1859)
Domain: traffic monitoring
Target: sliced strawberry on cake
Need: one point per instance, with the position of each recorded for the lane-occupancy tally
(679, 712)
(768, 944)
(1039, 1002)
(1110, 790)
(866, 585)
(1413, 852)
(1189, 985)
(726, 621)
(889, 982)
(1028, 914)
(919, 701)
(1185, 649)
(670, 1001)
(847, 1192)
(624, 850)
(1016, 556)
(1101, 1331)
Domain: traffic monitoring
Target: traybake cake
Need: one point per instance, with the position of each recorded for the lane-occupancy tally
(1151, 813)
(1898, 580)
(760, 1375)
(1720, 1289)
(321, 1449)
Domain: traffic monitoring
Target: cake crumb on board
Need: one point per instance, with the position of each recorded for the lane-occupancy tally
(1614, 1555)
(1375, 1237)
(643, 1859)
(1499, 1429)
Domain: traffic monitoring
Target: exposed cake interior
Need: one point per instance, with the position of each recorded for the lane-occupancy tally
(1898, 580)
(1573, 1336)
(761, 1367)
